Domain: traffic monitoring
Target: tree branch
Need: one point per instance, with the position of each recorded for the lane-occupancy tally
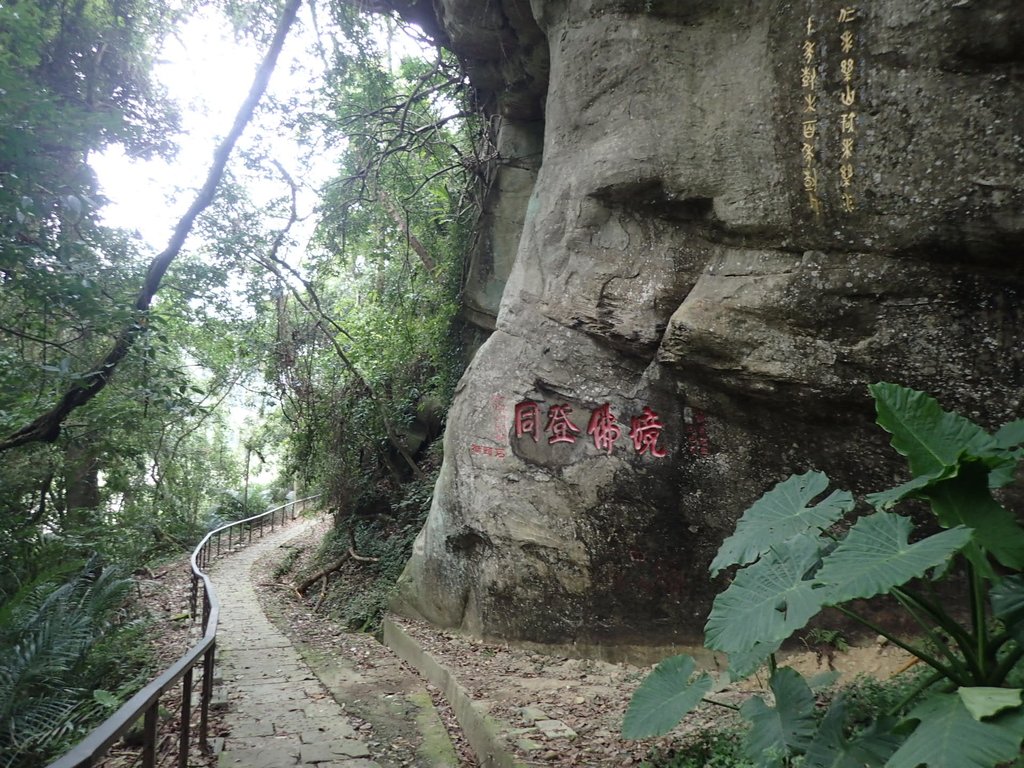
(47, 427)
(275, 265)
(402, 222)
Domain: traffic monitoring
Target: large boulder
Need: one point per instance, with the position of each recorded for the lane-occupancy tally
(746, 212)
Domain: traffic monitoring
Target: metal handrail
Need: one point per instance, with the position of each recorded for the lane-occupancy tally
(145, 703)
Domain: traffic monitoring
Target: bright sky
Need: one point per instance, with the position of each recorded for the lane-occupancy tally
(208, 73)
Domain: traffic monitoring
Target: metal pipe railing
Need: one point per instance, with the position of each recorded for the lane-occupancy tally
(145, 703)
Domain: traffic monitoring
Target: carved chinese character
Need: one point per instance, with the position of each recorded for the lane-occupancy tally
(808, 51)
(846, 41)
(811, 179)
(847, 202)
(814, 203)
(604, 428)
(527, 419)
(847, 14)
(847, 122)
(808, 77)
(848, 96)
(845, 174)
(846, 148)
(560, 425)
(807, 151)
(810, 26)
(846, 68)
(810, 102)
(809, 129)
(645, 431)
(696, 433)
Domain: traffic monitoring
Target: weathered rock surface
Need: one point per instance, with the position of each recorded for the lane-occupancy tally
(745, 213)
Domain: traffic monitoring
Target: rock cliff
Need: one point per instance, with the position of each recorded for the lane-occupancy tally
(711, 226)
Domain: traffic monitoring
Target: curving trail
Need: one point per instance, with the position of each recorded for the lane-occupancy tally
(279, 714)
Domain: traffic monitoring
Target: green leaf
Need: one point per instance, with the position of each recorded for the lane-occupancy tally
(931, 439)
(787, 728)
(1010, 435)
(875, 556)
(947, 736)
(883, 500)
(966, 500)
(664, 697)
(106, 698)
(985, 701)
(1008, 604)
(1004, 474)
(778, 516)
(830, 749)
(744, 664)
(768, 600)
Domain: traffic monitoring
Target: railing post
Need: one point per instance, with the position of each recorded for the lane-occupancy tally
(271, 521)
(186, 719)
(206, 610)
(192, 598)
(218, 543)
(206, 696)
(149, 734)
(249, 526)
(231, 531)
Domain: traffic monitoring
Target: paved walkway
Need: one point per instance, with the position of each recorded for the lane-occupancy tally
(278, 713)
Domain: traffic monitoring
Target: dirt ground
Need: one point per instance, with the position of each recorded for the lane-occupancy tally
(523, 686)
(376, 679)
(517, 685)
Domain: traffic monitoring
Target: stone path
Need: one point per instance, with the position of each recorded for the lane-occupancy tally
(279, 714)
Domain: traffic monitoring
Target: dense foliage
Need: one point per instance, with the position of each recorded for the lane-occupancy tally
(144, 466)
(796, 553)
(367, 346)
(59, 659)
(345, 350)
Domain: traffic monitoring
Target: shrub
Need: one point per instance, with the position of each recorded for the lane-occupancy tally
(795, 553)
(56, 651)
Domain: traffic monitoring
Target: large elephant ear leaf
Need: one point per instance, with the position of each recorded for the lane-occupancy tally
(664, 698)
(768, 600)
(966, 500)
(743, 664)
(779, 515)
(779, 732)
(932, 440)
(1009, 439)
(1010, 435)
(948, 736)
(870, 748)
(876, 556)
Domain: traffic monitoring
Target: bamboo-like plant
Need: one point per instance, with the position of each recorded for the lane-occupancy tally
(792, 562)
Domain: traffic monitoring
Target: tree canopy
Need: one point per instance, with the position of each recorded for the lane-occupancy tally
(121, 437)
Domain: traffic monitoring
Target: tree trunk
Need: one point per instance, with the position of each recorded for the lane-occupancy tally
(81, 484)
